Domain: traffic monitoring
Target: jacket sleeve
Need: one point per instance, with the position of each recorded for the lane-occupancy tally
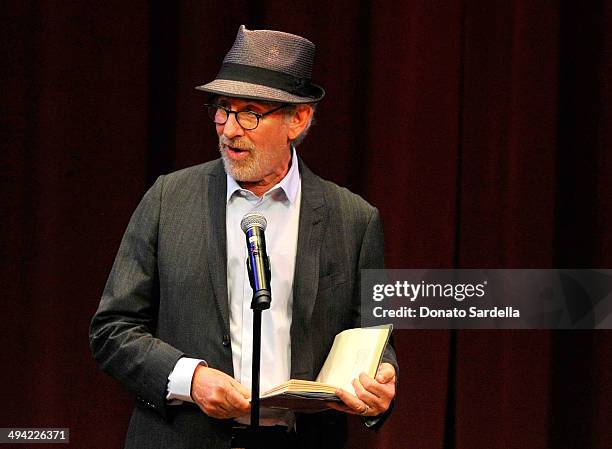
(122, 331)
(372, 256)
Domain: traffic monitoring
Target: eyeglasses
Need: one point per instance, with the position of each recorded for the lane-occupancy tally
(249, 120)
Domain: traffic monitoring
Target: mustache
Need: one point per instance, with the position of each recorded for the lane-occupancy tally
(237, 142)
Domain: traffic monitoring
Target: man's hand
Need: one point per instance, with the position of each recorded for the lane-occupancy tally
(219, 395)
(373, 395)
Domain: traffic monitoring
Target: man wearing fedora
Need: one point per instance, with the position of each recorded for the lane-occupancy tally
(174, 323)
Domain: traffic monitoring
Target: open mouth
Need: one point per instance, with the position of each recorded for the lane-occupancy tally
(236, 153)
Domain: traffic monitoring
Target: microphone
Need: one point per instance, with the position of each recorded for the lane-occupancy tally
(258, 264)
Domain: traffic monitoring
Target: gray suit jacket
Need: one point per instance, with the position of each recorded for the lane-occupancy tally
(166, 298)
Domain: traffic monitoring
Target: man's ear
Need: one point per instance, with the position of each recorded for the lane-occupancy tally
(299, 120)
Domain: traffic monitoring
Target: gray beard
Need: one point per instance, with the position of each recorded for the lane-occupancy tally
(251, 169)
(247, 170)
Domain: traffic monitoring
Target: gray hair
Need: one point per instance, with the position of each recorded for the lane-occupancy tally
(290, 110)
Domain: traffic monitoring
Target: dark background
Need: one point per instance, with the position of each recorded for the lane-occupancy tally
(480, 129)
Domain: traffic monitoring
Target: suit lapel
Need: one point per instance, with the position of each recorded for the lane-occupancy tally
(215, 188)
(306, 277)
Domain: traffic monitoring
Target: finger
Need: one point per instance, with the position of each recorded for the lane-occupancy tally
(235, 400)
(242, 390)
(354, 404)
(380, 391)
(385, 373)
(368, 387)
(374, 402)
(222, 412)
(223, 401)
(216, 411)
(377, 396)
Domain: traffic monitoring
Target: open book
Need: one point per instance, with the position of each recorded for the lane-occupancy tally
(354, 351)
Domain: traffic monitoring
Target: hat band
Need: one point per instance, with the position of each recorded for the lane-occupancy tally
(267, 77)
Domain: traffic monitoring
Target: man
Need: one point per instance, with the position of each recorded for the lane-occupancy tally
(174, 322)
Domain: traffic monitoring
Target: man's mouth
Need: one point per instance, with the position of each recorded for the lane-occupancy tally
(236, 153)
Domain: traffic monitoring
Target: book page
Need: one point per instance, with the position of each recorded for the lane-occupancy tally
(354, 351)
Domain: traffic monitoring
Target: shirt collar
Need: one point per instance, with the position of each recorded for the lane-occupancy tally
(289, 184)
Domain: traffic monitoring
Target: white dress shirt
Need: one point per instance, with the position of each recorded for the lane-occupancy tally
(281, 206)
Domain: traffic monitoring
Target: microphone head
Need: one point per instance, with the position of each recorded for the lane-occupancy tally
(253, 219)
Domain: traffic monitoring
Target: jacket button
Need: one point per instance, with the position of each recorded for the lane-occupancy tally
(226, 340)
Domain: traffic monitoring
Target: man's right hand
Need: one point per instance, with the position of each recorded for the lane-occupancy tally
(219, 395)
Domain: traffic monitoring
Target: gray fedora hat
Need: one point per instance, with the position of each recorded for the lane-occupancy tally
(267, 65)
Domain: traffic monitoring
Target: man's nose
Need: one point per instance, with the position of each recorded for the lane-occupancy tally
(232, 128)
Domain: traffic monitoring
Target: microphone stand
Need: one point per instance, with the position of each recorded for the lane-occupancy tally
(258, 267)
(262, 297)
(261, 301)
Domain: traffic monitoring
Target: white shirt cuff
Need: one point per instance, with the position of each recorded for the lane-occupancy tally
(179, 380)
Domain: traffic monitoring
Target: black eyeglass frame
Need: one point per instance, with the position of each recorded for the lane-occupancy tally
(212, 110)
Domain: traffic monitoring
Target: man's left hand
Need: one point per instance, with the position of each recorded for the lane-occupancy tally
(373, 395)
